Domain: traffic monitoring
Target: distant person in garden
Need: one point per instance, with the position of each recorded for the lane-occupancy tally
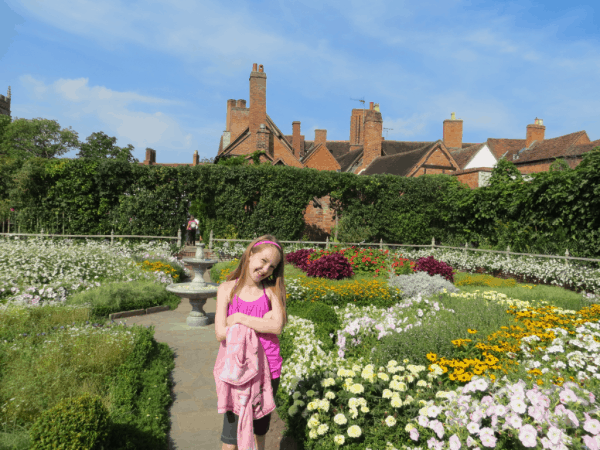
(192, 229)
(254, 295)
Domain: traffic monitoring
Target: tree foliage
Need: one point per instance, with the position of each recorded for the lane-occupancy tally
(43, 138)
(101, 146)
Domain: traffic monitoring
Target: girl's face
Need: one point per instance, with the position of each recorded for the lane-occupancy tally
(262, 264)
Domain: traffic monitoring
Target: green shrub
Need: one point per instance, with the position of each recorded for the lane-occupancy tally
(74, 423)
(219, 271)
(124, 296)
(437, 331)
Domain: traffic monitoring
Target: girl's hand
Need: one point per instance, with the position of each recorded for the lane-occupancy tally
(234, 318)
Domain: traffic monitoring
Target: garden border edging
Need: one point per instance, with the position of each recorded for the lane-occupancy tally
(138, 312)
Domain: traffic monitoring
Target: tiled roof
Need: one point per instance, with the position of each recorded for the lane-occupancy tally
(399, 164)
(346, 161)
(505, 147)
(394, 147)
(583, 148)
(463, 156)
(338, 148)
(551, 148)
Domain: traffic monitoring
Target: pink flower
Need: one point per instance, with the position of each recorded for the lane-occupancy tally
(590, 442)
(592, 426)
(454, 442)
(414, 434)
(528, 436)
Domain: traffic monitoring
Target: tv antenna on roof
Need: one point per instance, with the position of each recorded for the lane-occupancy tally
(386, 131)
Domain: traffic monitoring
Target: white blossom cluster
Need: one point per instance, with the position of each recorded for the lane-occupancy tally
(550, 271)
(37, 271)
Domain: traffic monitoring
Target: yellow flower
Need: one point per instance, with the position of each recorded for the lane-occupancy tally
(431, 357)
(470, 331)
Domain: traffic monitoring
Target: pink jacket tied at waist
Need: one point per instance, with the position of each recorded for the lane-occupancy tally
(243, 381)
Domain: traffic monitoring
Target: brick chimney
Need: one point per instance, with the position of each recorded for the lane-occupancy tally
(356, 128)
(258, 101)
(230, 104)
(453, 132)
(320, 137)
(535, 132)
(150, 156)
(196, 159)
(373, 137)
(296, 138)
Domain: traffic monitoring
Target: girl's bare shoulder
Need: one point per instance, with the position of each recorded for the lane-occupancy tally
(227, 286)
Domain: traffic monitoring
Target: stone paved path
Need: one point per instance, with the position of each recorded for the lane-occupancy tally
(195, 423)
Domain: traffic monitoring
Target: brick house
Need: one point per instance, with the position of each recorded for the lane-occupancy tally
(367, 152)
(248, 129)
(531, 155)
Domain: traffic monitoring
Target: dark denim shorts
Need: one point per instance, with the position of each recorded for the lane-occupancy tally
(261, 426)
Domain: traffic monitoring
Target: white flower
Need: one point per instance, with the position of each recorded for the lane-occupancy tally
(322, 429)
(339, 439)
(340, 419)
(357, 388)
(354, 431)
(390, 421)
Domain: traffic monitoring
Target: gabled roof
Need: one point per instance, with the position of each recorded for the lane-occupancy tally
(551, 148)
(505, 147)
(237, 141)
(347, 161)
(400, 164)
(315, 150)
(338, 148)
(583, 148)
(464, 155)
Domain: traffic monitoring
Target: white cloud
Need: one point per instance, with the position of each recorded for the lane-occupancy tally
(116, 113)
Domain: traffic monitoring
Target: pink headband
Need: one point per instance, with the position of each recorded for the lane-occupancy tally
(267, 242)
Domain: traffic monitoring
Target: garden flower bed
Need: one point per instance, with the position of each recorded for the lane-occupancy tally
(393, 372)
(54, 346)
(48, 271)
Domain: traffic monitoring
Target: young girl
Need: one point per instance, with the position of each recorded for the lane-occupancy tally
(254, 295)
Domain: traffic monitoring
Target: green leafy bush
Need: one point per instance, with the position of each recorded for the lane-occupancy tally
(73, 424)
(124, 296)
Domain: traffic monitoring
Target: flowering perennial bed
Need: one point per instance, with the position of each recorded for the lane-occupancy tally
(46, 271)
(544, 399)
(549, 271)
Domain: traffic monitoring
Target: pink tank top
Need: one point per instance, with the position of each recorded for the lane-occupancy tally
(269, 341)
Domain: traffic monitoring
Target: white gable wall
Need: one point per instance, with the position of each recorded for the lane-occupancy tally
(483, 158)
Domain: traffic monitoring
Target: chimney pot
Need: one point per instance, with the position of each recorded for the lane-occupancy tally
(370, 105)
(260, 68)
(254, 67)
(452, 116)
(376, 107)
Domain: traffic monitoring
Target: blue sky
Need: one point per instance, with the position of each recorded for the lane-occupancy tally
(158, 73)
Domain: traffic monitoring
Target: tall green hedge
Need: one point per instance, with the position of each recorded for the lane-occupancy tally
(551, 212)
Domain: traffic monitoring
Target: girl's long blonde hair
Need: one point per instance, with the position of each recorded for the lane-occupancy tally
(275, 281)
